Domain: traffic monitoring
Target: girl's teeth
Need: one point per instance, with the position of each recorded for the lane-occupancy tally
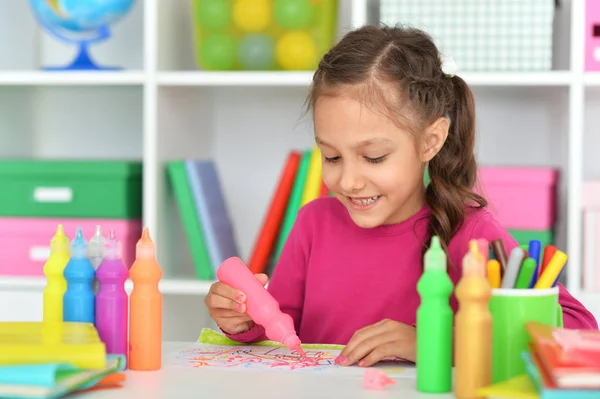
(365, 201)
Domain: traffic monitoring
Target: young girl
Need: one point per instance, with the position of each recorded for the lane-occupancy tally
(383, 109)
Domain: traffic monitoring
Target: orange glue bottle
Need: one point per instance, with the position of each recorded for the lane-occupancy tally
(260, 304)
(145, 308)
(53, 270)
(473, 327)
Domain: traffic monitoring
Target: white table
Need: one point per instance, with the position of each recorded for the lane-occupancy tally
(178, 383)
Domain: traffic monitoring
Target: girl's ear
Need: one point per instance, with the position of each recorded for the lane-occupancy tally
(434, 138)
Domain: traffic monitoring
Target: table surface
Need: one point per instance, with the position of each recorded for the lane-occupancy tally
(172, 382)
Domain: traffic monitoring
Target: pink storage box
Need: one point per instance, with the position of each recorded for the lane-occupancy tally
(592, 35)
(591, 236)
(520, 197)
(25, 242)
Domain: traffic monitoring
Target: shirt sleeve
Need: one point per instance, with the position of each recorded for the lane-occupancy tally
(288, 279)
(575, 315)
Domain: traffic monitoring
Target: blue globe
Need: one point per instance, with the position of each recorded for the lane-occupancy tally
(80, 22)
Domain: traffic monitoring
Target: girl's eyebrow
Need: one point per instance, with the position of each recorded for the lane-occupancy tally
(363, 143)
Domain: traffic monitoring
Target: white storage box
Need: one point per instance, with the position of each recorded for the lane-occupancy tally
(482, 35)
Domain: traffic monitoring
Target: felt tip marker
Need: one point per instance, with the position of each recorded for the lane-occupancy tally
(535, 249)
(494, 272)
(550, 275)
(512, 268)
(500, 254)
(549, 252)
(526, 273)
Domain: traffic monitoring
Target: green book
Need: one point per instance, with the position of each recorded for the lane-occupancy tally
(190, 219)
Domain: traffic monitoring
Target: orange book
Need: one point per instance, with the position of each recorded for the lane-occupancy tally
(571, 357)
(272, 221)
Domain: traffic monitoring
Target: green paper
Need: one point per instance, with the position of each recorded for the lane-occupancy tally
(212, 337)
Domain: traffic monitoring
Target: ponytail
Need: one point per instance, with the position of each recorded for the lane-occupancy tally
(453, 171)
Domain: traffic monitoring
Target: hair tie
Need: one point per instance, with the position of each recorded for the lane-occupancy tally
(449, 66)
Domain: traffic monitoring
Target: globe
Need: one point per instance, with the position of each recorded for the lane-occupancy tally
(81, 22)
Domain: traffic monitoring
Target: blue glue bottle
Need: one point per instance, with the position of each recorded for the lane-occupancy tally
(78, 301)
(112, 301)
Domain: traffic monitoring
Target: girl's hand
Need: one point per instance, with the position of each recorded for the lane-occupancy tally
(227, 306)
(372, 343)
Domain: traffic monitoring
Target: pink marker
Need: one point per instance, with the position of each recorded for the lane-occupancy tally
(260, 304)
(111, 300)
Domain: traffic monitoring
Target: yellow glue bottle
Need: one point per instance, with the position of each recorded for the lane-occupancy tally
(53, 270)
(473, 327)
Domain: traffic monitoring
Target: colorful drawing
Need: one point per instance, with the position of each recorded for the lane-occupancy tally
(267, 358)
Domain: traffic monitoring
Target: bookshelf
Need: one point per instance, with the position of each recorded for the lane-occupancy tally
(162, 107)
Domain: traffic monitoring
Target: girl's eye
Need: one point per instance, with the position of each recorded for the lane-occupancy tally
(332, 159)
(376, 160)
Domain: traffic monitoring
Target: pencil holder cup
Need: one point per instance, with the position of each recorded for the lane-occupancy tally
(511, 309)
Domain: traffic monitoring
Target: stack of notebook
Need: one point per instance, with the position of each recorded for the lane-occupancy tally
(50, 360)
(560, 364)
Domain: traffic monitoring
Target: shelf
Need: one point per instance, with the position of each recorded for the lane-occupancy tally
(238, 78)
(168, 286)
(76, 78)
(258, 78)
(592, 78)
(550, 78)
(252, 78)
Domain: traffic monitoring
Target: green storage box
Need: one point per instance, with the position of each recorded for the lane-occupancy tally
(74, 188)
(523, 237)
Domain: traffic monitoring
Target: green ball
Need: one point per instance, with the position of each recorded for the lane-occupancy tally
(217, 52)
(293, 14)
(257, 52)
(214, 14)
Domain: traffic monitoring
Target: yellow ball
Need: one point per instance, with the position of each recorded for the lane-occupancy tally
(252, 15)
(296, 50)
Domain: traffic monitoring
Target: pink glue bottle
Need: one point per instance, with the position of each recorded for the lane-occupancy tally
(111, 300)
(260, 304)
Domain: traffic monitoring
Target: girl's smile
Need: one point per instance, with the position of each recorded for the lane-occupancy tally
(363, 203)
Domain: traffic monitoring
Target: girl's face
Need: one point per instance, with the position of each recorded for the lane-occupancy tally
(371, 165)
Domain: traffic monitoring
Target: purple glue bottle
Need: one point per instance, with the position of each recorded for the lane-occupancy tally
(111, 300)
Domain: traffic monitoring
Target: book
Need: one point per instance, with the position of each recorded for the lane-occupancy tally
(312, 187)
(294, 202)
(569, 357)
(190, 220)
(53, 380)
(212, 210)
(273, 219)
(544, 386)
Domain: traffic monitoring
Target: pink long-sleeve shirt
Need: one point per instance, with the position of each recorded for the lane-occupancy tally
(334, 277)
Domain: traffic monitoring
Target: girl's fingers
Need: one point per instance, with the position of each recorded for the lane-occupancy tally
(358, 339)
(368, 345)
(380, 352)
(228, 292)
(219, 302)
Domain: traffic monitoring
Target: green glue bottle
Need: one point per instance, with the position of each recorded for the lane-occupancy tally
(434, 323)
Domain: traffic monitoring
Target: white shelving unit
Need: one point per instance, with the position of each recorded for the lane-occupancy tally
(161, 107)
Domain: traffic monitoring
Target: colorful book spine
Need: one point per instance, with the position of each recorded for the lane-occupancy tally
(212, 210)
(190, 220)
(294, 202)
(275, 214)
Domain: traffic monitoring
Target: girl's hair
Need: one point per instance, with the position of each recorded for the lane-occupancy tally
(399, 70)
